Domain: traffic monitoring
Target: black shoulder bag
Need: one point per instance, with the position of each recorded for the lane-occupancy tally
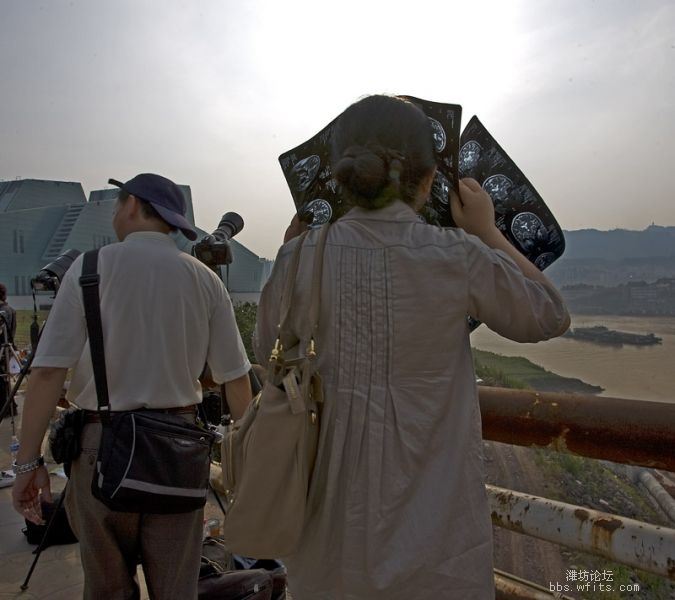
(148, 460)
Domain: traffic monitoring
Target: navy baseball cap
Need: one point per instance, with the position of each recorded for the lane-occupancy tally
(164, 196)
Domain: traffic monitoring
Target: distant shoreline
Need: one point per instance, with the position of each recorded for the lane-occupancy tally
(638, 372)
(519, 372)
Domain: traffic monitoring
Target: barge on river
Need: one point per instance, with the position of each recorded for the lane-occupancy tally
(602, 335)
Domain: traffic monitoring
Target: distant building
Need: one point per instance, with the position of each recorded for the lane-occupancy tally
(39, 220)
(635, 298)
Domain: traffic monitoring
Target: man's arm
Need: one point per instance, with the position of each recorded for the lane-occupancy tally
(238, 394)
(43, 392)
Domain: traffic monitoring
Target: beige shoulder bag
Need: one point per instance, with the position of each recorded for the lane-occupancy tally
(268, 455)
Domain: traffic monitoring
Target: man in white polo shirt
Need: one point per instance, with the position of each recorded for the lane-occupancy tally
(165, 315)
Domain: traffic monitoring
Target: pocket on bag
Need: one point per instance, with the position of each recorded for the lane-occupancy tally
(153, 447)
(152, 463)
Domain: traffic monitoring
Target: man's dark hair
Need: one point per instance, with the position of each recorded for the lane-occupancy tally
(3, 292)
(147, 209)
(382, 147)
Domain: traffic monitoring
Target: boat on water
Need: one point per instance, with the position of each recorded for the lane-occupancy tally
(602, 335)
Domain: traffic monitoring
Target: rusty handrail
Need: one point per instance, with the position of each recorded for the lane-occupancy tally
(634, 432)
(630, 542)
(511, 587)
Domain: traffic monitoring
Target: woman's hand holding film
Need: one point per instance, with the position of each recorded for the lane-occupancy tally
(473, 210)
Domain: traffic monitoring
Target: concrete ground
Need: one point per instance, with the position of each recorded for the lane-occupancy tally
(58, 574)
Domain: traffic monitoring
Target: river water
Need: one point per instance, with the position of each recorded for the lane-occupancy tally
(639, 372)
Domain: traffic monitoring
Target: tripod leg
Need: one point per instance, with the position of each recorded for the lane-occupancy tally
(218, 500)
(39, 549)
(20, 378)
(7, 407)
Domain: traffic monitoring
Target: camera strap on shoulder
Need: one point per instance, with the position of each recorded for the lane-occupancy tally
(89, 282)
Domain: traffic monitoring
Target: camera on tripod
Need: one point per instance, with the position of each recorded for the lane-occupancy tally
(214, 249)
(49, 277)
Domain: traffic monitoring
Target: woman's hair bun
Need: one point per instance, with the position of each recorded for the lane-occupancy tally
(381, 149)
(362, 170)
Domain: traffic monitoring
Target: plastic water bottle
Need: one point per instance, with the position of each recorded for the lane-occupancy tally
(14, 448)
(221, 428)
(211, 528)
(220, 433)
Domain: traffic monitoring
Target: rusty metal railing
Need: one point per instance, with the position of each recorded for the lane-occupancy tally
(633, 432)
(510, 587)
(630, 542)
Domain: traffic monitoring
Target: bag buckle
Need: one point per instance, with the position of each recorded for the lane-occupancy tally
(276, 351)
(89, 280)
(104, 413)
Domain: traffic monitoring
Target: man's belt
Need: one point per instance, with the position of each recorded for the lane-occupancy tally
(93, 416)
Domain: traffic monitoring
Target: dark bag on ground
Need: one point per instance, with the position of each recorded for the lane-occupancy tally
(236, 585)
(218, 563)
(152, 462)
(272, 566)
(216, 558)
(60, 531)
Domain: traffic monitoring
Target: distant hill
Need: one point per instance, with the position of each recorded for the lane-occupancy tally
(615, 257)
(620, 243)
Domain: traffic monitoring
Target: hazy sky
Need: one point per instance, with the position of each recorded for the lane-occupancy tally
(580, 93)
